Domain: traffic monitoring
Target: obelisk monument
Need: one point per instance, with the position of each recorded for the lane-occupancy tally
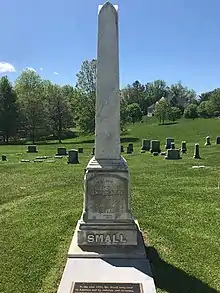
(107, 252)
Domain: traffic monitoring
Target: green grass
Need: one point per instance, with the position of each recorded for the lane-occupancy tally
(178, 209)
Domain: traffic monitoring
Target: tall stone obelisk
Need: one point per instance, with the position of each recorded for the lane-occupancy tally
(106, 217)
(107, 252)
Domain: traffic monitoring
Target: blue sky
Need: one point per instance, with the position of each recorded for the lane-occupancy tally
(159, 39)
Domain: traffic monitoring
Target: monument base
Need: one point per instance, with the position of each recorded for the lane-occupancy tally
(93, 275)
(110, 251)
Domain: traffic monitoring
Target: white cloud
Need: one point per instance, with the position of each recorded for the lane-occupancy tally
(30, 68)
(41, 69)
(6, 67)
(55, 73)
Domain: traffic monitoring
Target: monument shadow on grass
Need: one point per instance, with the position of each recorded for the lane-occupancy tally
(172, 279)
(166, 276)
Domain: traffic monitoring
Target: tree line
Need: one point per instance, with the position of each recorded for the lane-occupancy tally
(34, 108)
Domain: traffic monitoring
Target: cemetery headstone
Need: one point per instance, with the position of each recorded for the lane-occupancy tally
(80, 150)
(196, 152)
(172, 145)
(155, 146)
(122, 149)
(145, 145)
(131, 146)
(73, 157)
(183, 147)
(107, 244)
(61, 151)
(25, 161)
(4, 158)
(217, 139)
(173, 154)
(168, 142)
(208, 140)
(32, 149)
(129, 150)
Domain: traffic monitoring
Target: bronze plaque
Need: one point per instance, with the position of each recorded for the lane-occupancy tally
(87, 287)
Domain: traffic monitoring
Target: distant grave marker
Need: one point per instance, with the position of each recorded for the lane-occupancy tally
(32, 149)
(73, 157)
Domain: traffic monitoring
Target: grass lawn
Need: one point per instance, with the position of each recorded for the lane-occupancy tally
(178, 209)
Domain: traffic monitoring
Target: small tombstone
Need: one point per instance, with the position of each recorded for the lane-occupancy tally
(217, 139)
(4, 158)
(155, 146)
(38, 161)
(208, 140)
(196, 152)
(122, 149)
(41, 158)
(183, 147)
(73, 157)
(155, 154)
(25, 161)
(145, 145)
(172, 146)
(129, 150)
(131, 146)
(173, 154)
(93, 152)
(168, 142)
(32, 149)
(61, 152)
(80, 150)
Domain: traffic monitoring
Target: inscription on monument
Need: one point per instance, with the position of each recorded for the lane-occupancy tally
(107, 196)
(80, 287)
(106, 238)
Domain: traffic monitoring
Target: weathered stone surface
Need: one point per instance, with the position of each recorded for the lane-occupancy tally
(196, 152)
(107, 131)
(72, 157)
(168, 142)
(32, 149)
(145, 145)
(61, 152)
(173, 154)
(208, 140)
(155, 146)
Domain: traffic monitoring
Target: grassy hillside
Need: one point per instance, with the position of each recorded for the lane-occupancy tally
(178, 208)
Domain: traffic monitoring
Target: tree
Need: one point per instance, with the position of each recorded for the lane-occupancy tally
(204, 109)
(134, 113)
(86, 77)
(155, 91)
(215, 100)
(8, 109)
(59, 116)
(162, 109)
(180, 96)
(174, 113)
(29, 89)
(191, 111)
